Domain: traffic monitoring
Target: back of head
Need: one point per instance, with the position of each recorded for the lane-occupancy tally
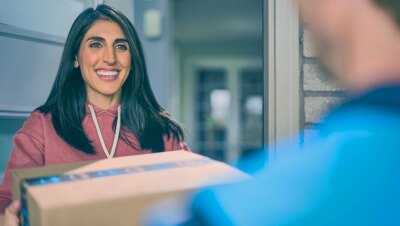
(358, 41)
(392, 7)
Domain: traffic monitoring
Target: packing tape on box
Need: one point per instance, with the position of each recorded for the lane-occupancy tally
(64, 178)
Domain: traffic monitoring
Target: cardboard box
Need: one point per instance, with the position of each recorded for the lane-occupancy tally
(112, 192)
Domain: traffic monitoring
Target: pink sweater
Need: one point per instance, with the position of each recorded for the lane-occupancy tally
(37, 144)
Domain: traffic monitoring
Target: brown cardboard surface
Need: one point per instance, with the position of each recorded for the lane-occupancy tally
(120, 199)
(18, 175)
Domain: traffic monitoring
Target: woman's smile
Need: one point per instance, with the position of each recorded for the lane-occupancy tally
(108, 74)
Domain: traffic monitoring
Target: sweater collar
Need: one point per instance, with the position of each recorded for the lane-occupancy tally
(112, 110)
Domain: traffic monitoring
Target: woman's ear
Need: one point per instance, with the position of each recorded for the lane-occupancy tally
(76, 63)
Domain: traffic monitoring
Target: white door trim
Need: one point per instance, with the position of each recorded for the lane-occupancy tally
(282, 72)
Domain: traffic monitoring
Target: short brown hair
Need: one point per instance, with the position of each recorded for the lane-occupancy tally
(391, 6)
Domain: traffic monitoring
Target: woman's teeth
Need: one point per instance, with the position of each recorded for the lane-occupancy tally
(107, 73)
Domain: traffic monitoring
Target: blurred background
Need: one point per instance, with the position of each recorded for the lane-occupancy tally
(205, 61)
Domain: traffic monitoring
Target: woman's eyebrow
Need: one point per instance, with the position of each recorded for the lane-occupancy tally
(101, 39)
(95, 38)
(118, 40)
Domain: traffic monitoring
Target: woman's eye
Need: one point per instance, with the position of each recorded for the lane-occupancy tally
(121, 47)
(95, 45)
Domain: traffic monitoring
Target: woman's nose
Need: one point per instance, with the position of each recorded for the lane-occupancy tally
(109, 55)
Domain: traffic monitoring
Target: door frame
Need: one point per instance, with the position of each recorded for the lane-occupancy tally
(281, 65)
(281, 73)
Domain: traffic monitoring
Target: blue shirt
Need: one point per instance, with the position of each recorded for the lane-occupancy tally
(350, 175)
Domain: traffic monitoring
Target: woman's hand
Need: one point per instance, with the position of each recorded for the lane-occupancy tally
(10, 217)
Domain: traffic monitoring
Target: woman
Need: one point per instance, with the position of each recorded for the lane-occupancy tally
(101, 104)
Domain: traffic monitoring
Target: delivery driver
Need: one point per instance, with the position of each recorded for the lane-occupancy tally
(101, 104)
(350, 174)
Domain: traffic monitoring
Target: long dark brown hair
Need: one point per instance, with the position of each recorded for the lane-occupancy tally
(140, 112)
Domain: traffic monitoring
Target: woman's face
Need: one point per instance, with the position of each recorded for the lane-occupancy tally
(105, 61)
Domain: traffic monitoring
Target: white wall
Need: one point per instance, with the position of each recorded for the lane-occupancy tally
(125, 6)
(47, 16)
(156, 51)
(27, 70)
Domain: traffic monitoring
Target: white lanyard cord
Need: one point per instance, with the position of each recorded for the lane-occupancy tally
(117, 130)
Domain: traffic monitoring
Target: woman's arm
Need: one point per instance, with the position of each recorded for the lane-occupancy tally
(28, 151)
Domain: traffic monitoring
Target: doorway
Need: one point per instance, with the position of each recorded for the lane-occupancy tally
(217, 52)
